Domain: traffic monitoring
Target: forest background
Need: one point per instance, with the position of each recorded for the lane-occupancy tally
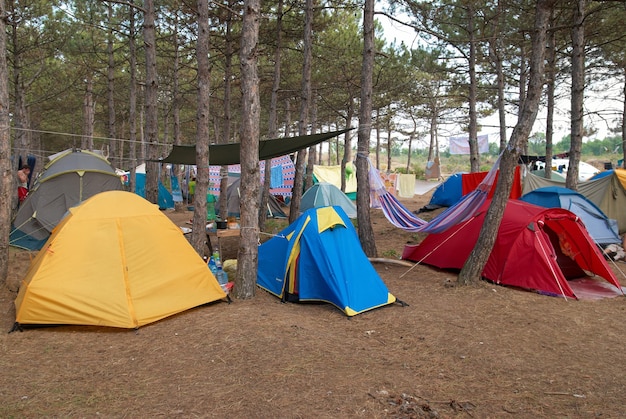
(124, 77)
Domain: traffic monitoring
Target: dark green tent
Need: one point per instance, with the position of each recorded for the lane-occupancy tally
(225, 154)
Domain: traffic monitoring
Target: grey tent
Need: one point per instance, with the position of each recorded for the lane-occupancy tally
(325, 194)
(69, 178)
(274, 209)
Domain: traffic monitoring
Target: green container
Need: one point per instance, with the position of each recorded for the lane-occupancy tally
(210, 207)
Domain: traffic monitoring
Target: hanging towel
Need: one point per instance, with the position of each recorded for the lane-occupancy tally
(406, 185)
(276, 176)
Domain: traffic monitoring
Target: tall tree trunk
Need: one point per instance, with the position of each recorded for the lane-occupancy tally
(132, 99)
(389, 145)
(272, 128)
(22, 141)
(473, 267)
(88, 115)
(305, 99)
(473, 96)
(522, 84)
(114, 153)
(496, 50)
(308, 178)
(198, 235)
(550, 101)
(7, 190)
(228, 70)
(377, 138)
(347, 144)
(366, 233)
(247, 260)
(151, 104)
(178, 205)
(578, 91)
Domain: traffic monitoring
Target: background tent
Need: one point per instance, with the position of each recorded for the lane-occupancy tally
(69, 178)
(449, 192)
(601, 229)
(234, 200)
(115, 260)
(536, 248)
(607, 192)
(326, 195)
(460, 184)
(318, 258)
(165, 198)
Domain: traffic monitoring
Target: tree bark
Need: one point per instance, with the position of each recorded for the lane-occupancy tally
(247, 260)
(473, 267)
(7, 190)
(198, 235)
(132, 98)
(114, 153)
(473, 95)
(366, 233)
(305, 99)
(272, 129)
(151, 103)
(578, 90)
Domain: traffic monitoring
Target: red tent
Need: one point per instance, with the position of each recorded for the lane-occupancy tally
(537, 249)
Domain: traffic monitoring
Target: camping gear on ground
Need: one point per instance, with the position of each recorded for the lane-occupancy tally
(319, 258)
(117, 261)
(601, 229)
(70, 177)
(325, 195)
(542, 249)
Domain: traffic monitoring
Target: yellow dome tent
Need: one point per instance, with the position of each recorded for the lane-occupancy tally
(114, 260)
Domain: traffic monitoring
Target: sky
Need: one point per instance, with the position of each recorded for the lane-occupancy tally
(610, 109)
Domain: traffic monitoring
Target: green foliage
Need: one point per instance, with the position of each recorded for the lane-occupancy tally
(391, 254)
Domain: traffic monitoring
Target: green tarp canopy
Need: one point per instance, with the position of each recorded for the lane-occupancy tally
(225, 154)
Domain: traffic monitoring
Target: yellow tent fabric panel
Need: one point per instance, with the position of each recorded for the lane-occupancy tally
(327, 218)
(117, 261)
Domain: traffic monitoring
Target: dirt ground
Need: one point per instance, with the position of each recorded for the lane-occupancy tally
(483, 351)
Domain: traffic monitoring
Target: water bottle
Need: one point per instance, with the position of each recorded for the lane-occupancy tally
(216, 257)
(222, 277)
(212, 265)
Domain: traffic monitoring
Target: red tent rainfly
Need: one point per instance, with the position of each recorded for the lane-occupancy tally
(547, 250)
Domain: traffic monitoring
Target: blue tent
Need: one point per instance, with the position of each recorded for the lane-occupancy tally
(602, 230)
(319, 258)
(449, 192)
